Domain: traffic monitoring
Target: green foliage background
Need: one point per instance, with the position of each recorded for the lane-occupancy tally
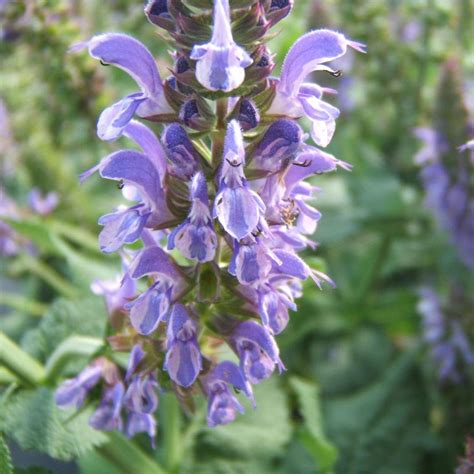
(361, 394)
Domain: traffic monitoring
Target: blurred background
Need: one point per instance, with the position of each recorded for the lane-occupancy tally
(381, 370)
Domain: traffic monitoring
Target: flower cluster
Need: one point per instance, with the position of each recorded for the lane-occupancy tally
(448, 163)
(219, 202)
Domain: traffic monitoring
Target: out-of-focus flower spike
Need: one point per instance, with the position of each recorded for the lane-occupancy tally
(42, 205)
(221, 63)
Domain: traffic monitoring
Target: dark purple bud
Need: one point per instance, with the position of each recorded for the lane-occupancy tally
(279, 9)
(279, 143)
(181, 65)
(73, 392)
(280, 4)
(248, 115)
(189, 112)
(158, 13)
(107, 417)
(180, 151)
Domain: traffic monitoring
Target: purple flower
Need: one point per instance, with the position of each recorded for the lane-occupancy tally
(42, 205)
(183, 357)
(445, 337)
(141, 423)
(181, 153)
(151, 307)
(248, 114)
(214, 214)
(134, 58)
(294, 98)
(222, 405)
(238, 208)
(257, 351)
(141, 396)
(117, 293)
(73, 392)
(278, 145)
(108, 416)
(195, 238)
(221, 63)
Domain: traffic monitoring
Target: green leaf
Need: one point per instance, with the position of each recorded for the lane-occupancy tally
(32, 419)
(382, 426)
(5, 458)
(312, 434)
(85, 317)
(37, 231)
(251, 444)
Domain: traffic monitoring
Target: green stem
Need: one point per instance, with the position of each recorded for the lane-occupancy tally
(46, 273)
(68, 349)
(20, 363)
(171, 416)
(6, 377)
(127, 457)
(23, 304)
(77, 235)
(218, 136)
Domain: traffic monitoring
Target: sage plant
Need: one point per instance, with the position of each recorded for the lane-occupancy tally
(220, 205)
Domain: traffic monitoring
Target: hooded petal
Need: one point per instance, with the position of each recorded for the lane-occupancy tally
(309, 52)
(129, 55)
(136, 169)
(180, 151)
(150, 145)
(154, 260)
(280, 142)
